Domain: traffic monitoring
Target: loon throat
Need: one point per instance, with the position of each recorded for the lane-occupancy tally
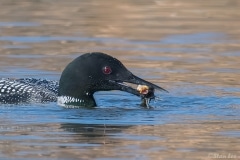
(67, 100)
(71, 102)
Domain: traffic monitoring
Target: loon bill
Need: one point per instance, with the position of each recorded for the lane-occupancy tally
(85, 75)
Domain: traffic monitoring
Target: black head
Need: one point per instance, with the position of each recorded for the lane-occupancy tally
(93, 72)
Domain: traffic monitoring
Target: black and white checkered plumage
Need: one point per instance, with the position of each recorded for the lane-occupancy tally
(26, 90)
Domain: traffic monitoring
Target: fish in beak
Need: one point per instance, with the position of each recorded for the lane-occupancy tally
(139, 87)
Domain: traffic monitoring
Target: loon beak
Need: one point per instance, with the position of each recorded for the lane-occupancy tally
(130, 84)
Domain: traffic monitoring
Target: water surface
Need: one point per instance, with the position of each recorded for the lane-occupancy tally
(188, 47)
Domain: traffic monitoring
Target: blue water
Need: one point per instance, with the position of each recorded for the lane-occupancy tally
(182, 103)
(197, 38)
(120, 108)
(19, 24)
(119, 123)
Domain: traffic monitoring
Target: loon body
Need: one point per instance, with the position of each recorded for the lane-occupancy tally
(87, 74)
(27, 90)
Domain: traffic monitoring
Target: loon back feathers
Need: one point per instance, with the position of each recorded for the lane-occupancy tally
(26, 90)
(41, 84)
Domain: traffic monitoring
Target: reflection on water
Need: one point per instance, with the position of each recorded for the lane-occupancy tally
(189, 47)
(18, 24)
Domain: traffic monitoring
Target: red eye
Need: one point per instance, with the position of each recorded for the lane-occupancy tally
(107, 70)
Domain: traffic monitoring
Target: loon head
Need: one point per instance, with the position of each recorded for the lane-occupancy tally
(92, 72)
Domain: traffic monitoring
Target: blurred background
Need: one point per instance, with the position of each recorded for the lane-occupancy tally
(191, 48)
(165, 35)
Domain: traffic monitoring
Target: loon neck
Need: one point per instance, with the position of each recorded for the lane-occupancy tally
(75, 102)
(72, 94)
(75, 85)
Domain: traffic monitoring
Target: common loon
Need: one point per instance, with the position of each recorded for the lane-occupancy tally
(85, 75)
